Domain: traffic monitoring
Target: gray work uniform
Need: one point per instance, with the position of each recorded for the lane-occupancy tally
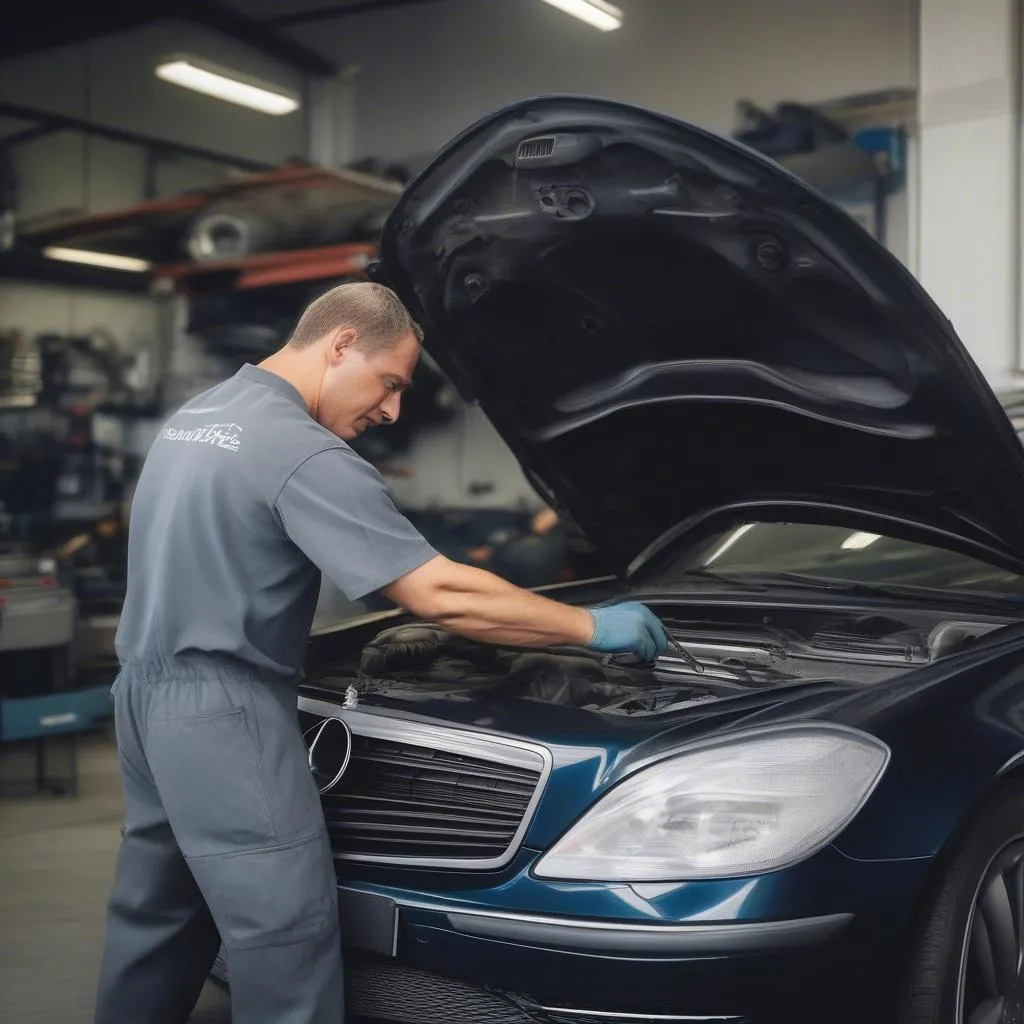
(242, 496)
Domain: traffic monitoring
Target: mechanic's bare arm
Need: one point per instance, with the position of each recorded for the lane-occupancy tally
(481, 606)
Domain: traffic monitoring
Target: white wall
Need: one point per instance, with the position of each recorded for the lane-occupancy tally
(111, 81)
(429, 70)
(968, 180)
(43, 308)
(69, 173)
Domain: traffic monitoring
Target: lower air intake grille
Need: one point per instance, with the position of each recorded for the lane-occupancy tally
(381, 990)
(430, 805)
(378, 989)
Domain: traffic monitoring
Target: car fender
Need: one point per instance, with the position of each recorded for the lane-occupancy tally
(956, 733)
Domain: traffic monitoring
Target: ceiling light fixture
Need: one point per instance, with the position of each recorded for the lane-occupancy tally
(224, 84)
(594, 12)
(859, 541)
(97, 259)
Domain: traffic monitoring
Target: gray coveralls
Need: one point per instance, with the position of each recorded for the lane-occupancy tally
(242, 497)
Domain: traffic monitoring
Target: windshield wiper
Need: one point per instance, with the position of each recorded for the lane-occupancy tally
(765, 582)
(858, 588)
(755, 583)
(816, 582)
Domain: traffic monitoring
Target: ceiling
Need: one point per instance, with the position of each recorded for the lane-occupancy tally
(27, 27)
(280, 12)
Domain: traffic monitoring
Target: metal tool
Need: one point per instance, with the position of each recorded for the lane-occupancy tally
(690, 660)
(631, 660)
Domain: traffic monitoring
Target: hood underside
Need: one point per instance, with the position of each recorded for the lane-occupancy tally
(669, 329)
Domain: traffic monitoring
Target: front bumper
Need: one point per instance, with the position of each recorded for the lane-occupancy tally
(420, 962)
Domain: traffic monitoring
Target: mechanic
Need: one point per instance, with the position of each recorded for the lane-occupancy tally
(248, 492)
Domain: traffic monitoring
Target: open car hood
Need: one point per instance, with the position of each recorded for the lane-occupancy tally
(670, 330)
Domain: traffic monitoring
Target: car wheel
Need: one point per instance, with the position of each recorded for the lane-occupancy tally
(967, 966)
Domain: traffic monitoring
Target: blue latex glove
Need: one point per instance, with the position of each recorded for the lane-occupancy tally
(630, 628)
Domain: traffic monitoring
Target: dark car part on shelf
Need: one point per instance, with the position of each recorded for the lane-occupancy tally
(297, 202)
(234, 228)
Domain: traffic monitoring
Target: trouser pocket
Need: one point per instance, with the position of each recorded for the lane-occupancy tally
(208, 773)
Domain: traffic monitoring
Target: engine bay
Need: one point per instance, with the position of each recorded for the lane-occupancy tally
(737, 650)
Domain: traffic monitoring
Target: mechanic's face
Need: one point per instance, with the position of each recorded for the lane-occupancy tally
(361, 387)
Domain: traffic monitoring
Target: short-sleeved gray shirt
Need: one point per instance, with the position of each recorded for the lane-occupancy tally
(243, 499)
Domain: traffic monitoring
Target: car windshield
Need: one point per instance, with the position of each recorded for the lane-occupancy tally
(838, 554)
(831, 553)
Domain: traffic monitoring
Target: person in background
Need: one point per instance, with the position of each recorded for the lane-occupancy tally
(104, 545)
(533, 559)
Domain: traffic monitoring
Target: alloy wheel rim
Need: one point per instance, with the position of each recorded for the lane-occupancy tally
(991, 982)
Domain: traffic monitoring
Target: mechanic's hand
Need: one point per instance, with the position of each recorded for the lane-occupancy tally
(630, 628)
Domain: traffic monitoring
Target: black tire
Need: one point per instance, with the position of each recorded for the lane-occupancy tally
(989, 854)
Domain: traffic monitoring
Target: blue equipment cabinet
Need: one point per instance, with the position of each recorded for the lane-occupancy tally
(39, 719)
(37, 705)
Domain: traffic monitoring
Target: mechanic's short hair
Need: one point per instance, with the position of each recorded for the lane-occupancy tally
(376, 313)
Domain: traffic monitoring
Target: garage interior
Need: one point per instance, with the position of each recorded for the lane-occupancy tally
(157, 233)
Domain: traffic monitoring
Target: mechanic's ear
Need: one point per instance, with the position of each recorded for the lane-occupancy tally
(341, 344)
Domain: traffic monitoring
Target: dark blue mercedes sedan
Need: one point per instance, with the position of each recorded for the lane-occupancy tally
(812, 808)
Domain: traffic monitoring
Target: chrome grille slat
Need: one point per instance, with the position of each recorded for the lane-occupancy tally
(382, 846)
(417, 829)
(439, 765)
(430, 791)
(381, 804)
(457, 779)
(379, 814)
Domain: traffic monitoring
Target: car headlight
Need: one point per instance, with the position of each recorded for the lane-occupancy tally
(740, 807)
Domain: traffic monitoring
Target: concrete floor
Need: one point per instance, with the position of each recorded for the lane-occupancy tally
(56, 863)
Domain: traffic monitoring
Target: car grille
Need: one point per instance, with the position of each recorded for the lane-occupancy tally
(404, 800)
(428, 795)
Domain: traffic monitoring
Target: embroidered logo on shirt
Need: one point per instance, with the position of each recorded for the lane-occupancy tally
(223, 435)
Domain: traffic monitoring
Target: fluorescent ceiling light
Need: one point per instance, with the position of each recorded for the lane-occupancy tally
(97, 259)
(729, 541)
(859, 541)
(207, 78)
(593, 12)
